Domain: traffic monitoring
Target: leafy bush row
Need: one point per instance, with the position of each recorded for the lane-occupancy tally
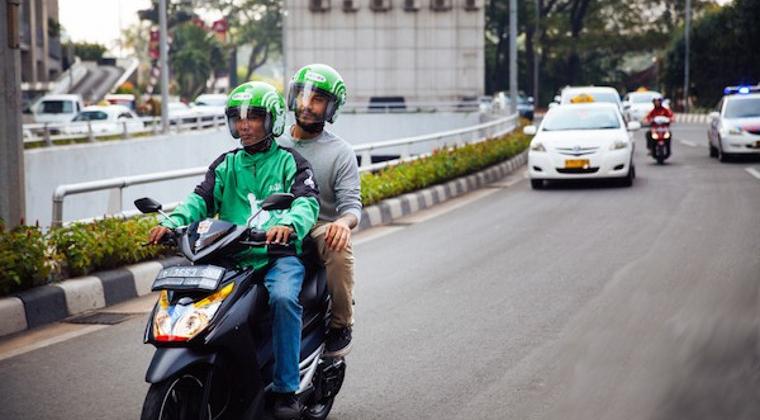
(29, 257)
(442, 165)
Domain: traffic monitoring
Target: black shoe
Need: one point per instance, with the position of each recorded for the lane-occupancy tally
(287, 407)
(338, 342)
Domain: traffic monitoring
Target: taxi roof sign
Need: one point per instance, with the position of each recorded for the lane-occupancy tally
(582, 98)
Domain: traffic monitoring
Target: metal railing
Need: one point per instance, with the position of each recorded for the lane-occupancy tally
(451, 138)
(414, 107)
(46, 134)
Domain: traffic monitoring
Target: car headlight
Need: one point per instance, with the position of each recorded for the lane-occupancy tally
(537, 147)
(619, 144)
(183, 322)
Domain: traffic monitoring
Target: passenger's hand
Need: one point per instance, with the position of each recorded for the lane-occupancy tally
(156, 234)
(337, 235)
(279, 235)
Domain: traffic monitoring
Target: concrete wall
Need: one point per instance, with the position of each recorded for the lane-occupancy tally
(422, 55)
(45, 169)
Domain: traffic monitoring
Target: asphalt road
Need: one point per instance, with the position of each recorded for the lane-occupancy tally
(587, 301)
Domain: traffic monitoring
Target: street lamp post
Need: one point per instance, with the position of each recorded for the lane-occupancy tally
(513, 54)
(687, 30)
(164, 65)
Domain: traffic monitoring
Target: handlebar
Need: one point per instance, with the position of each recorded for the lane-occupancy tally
(259, 238)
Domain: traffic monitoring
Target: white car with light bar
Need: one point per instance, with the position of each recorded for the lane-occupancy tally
(581, 141)
(735, 123)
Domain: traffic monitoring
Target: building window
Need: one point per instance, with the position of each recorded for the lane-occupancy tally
(472, 5)
(319, 5)
(380, 5)
(411, 5)
(440, 5)
(350, 5)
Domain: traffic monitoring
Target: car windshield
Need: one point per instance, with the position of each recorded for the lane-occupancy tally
(91, 116)
(57, 107)
(743, 108)
(572, 118)
(211, 101)
(642, 98)
(606, 97)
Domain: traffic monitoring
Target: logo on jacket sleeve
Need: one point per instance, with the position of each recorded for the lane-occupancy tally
(309, 182)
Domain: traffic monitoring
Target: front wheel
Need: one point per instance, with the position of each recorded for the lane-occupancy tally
(175, 398)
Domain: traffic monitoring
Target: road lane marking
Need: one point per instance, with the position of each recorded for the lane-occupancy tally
(752, 171)
(688, 143)
(16, 347)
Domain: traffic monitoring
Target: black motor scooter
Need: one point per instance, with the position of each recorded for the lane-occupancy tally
(212, 329)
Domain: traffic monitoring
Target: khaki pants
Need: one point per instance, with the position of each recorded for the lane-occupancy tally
(340, 277)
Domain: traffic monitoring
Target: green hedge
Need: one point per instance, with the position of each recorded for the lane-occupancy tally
(29, 258)
(442, 166)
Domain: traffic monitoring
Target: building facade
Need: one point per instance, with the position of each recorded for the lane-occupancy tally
(415, 50)
(41, 54)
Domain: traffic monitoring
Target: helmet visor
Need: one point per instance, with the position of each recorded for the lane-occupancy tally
(243, 112)
(311, 104)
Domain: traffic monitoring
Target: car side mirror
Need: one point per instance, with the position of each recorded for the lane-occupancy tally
(557, 99)
(147, 205)
(634, 125)
(530, 130)
(552, 105)
(713, 115)
(278, 201)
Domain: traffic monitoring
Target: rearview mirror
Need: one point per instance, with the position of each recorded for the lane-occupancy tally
(713, 115)
(557, 99)
(278, 201)
(147, 205)
(634, 125)
(530, 130)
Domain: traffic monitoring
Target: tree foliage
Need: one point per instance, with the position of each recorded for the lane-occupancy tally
(195, 53)
(89, 51)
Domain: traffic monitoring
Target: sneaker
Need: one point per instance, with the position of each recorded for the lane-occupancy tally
(287, 406)
(338, 342)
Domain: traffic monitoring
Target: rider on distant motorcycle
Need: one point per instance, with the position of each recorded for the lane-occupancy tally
(657, 111)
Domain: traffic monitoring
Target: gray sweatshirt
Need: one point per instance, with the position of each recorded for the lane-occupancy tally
(336, 170)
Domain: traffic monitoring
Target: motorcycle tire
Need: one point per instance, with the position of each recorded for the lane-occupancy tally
(175, 398)
(660, 160)
(320, 410)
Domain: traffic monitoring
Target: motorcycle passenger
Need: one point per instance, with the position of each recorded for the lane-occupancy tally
(234, 187)
(316, 94)
(657, 111)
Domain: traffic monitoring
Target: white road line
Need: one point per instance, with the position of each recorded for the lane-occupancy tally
(752, 171)
(52, 340)
(689, 143)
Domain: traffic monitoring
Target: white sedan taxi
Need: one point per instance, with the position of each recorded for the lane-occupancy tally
(581, 141)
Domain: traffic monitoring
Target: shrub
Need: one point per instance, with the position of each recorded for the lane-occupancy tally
(23, 260)
(103, 244)
(441, 166)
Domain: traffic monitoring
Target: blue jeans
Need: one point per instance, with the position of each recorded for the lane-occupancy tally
(283, 281)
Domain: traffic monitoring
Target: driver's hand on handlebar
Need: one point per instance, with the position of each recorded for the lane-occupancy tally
(156, 234)
(279, 235)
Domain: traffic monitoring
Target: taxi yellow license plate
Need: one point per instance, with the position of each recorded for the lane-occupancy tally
(576, 163)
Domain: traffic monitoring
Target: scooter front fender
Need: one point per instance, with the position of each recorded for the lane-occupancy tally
(168, 361)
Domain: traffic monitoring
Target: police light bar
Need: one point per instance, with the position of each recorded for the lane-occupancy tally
(741, 90)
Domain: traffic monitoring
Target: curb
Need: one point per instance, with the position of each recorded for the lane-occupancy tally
(46, 304)
(390, 209)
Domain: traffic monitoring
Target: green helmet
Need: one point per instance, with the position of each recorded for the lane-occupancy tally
(256, 98)
(323, 79)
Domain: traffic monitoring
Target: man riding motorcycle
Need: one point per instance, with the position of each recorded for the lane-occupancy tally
(316, 94)
(234, 187)
(658, 111)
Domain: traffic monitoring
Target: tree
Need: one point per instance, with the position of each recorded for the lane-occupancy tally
(89, 52)
(257, 23)
(194, 55)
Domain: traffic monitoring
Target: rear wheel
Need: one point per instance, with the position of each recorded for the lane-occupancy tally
(537, 184)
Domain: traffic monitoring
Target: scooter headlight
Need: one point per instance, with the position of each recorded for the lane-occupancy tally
(183, 322)
(655, 136)
(666, 135)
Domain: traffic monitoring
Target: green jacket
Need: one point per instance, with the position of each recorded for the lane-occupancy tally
(236, 184)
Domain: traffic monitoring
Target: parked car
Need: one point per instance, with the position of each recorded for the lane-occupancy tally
(180, 112)
(579, 141)
(104, 120)
(210, 104)
(735, 123)
(57, 108)
(525, 104)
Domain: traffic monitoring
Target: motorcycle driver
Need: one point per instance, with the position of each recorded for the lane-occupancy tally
(234, 187)
(657, 111)
(316, 94)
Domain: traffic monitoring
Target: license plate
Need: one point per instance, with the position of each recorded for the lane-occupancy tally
(576, 163)
(203, 277)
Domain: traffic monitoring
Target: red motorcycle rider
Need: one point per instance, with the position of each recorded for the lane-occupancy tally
(657, 111)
